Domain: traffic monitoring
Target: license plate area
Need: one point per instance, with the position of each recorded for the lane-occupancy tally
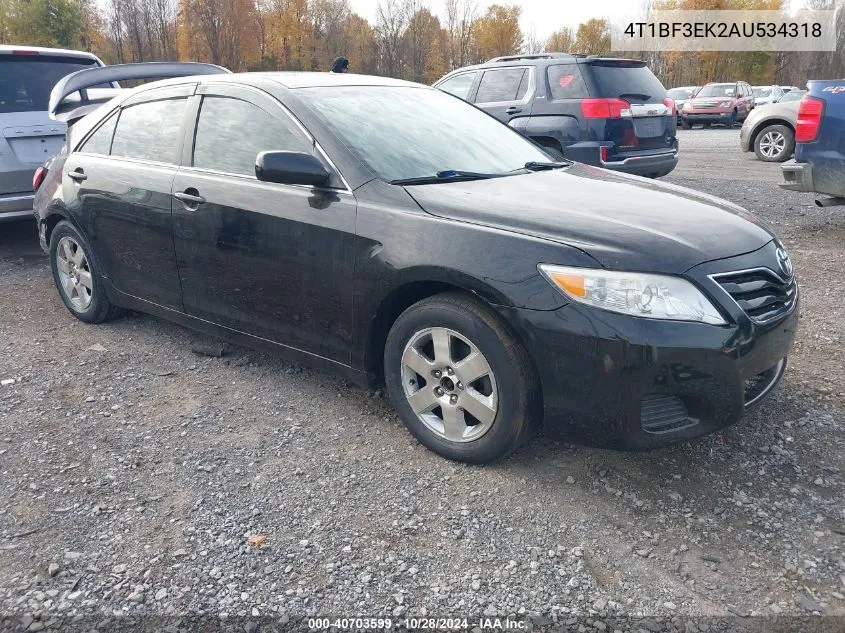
(649, 127)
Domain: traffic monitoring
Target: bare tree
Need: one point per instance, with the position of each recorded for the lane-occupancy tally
(461, 16)
(390, 25)
(533, 44)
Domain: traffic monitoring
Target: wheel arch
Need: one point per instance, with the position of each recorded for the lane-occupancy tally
(762, 125)
(402, 297)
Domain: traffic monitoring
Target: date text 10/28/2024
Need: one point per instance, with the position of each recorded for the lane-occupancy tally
(416, 624)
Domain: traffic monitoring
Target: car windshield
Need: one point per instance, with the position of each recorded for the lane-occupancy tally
(679, 93)
(26, 80)
(793, 95)
(406, 132)
(717, 90)
(762, 92)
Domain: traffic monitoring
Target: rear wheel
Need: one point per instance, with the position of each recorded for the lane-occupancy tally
(77, 276)
(706, 125)
(460, 382)
(774, 144)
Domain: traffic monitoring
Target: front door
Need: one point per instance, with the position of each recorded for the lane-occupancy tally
(271, 260)
(119, 184)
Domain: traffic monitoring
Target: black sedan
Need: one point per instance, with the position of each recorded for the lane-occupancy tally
(398, 235)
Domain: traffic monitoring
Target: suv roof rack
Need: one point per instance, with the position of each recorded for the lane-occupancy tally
(513, 58)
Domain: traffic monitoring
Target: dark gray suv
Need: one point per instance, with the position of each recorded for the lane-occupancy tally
(609, 112)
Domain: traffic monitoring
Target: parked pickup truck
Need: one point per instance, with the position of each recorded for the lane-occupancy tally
(819, 164)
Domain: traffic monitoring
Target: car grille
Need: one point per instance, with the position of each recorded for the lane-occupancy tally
(760, 293)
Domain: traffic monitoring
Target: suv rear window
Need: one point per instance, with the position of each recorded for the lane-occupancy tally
(26, 80)
(626, 80)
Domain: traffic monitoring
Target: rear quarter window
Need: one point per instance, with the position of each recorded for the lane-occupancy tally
(566, 82)
(150, 130)
(502, 85)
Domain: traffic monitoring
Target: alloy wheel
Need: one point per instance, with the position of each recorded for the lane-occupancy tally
(449, 384)
(772, 144)
(77, 284)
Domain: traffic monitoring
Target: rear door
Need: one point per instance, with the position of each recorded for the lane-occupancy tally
(648, 123)
(28, 137)
(118, 185)
(506, 93)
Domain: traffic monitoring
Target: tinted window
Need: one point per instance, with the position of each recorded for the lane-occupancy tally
(762, 92)
(499, 85)
(793, 95)
(566, 82)
(626, 80)
(459, 85)
(100, 141)
(231, 133)
(150, 131)
(680, 93)
(370, 119)
(26, 80)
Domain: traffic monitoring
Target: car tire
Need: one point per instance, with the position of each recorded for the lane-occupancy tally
(77, 276)
(686, 124)
(706, 125)
(774, 144)
(477, 422)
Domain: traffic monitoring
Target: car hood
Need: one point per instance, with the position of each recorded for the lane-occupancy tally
(624, 222)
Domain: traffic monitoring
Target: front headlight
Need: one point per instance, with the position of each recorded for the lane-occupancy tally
(635, 294)
(725, 104)
(687, 106)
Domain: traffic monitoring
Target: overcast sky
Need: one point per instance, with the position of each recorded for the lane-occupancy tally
(546, 16)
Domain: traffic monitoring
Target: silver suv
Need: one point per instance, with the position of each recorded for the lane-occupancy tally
(28, 137)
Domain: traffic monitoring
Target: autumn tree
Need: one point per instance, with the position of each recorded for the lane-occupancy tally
(497, 32)
(561, 41)
(50, 23)
(422, 41)
(391, 19)
(593, 37)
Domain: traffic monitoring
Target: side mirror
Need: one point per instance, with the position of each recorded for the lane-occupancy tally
(291, 168)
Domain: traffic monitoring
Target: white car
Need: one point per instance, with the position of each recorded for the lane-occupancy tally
(28, 137)
(764, 95)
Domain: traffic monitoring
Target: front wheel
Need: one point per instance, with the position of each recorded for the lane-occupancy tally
(774, 144)
(461, 383)
(77, 276)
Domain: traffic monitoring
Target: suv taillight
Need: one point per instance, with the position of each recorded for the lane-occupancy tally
(38, 178)
(670, 103)
(604, 108)
(810, 112)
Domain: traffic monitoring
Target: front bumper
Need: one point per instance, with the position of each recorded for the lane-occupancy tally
(797, 176)
(707, 117)
(617, 381)
(634, 383)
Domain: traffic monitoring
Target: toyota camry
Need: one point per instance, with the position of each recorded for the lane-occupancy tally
(400, 236)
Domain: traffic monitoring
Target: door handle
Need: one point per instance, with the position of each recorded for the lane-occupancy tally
(77, 174)
(190, 197)
(513, 110)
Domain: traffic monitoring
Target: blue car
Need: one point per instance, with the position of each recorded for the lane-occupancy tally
(819, 163)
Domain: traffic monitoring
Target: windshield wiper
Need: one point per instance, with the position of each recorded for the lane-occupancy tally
(635, 95)
(534, 165)
(446, 175)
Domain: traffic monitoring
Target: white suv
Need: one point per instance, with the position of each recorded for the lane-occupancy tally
(28, 137)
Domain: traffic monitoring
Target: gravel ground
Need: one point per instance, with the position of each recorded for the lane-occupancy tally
(135, 472)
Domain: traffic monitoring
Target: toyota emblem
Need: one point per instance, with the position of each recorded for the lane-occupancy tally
(784, 263)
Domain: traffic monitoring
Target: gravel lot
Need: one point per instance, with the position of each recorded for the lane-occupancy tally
(134, 471)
